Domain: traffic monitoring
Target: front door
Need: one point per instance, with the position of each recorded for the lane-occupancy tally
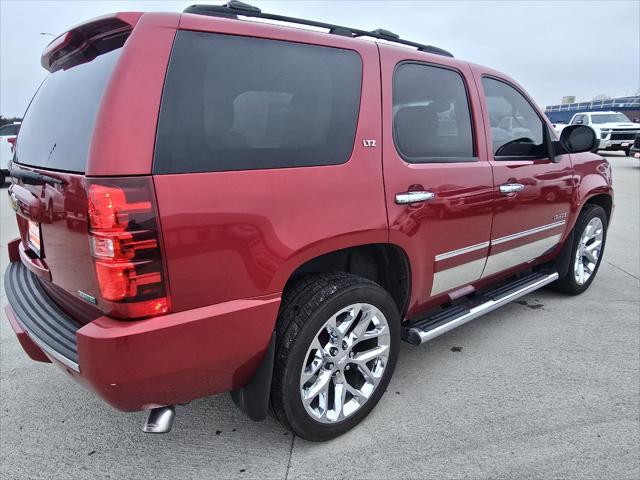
(438, 181)
(532, 193)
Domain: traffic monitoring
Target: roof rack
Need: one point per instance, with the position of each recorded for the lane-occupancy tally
(234, 8)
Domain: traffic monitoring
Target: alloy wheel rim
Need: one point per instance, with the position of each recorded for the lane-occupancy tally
(345, 363)
(589, 250)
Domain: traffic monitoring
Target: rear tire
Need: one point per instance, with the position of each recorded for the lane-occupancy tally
(627, 151)
(338, 337)
(589, 239)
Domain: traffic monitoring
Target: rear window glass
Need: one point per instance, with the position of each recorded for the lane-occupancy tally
(57, 128)
(237, 103)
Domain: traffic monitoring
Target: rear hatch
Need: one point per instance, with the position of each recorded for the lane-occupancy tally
(88, 240)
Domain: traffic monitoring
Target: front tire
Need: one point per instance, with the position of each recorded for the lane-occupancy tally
(586, 252)
(627, 151)
(338, 337)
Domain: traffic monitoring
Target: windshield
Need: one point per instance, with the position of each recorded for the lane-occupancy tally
(609, 118)
(57, 128)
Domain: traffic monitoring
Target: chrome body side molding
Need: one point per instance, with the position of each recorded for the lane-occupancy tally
(526, 233)
(473, 270)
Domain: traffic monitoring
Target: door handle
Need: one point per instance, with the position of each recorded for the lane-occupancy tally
(405, 198)
(511, 188)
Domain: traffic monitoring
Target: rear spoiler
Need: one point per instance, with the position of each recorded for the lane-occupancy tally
(85, 42)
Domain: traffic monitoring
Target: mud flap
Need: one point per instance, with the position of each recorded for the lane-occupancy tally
(253, 399)
(563, 260)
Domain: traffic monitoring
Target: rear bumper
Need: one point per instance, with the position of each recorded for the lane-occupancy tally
(143, 364)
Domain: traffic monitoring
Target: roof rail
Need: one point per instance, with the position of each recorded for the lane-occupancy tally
(234, 8)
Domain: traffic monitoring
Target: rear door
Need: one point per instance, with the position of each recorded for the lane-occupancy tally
(532, 192)
(437, 179)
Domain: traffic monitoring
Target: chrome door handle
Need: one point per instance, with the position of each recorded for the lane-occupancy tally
(511, 188)
(405, 198)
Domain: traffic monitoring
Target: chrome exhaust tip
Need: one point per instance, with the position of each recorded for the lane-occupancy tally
(160, 420)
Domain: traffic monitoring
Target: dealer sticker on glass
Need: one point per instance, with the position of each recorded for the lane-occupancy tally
(34, 236)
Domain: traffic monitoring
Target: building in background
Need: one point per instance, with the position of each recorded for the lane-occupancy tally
(563, 112)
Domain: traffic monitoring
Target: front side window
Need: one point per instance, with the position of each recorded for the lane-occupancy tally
(431, 117)
(516, 129)
(238, 103)
(578, 120)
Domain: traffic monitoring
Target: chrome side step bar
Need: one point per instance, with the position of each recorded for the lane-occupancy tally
(432, 326)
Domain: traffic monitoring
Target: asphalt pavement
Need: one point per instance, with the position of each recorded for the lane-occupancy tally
(548, 387)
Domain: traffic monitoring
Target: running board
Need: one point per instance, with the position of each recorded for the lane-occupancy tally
(424, 329)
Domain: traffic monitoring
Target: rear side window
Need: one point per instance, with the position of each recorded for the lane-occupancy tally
(431, 118)
(57, 128)
(238, 103)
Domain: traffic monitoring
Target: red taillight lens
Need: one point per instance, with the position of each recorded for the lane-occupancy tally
(125, 243)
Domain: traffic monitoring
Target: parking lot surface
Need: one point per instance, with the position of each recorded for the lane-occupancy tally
(547, 387)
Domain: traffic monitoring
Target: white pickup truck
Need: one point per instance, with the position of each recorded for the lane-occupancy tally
(614, 129)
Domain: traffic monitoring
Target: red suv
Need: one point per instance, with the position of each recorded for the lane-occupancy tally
(211, 204)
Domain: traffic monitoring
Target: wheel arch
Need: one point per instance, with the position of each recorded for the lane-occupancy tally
(604, 200)
(384, 263)
(598, 197)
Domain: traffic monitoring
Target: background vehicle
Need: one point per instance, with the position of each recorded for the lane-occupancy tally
(635, 148)
(250, 242)
(8, 134)
(614, 129)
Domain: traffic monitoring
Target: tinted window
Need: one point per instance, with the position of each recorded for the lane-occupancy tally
(578, 118)
(9, 130)
(431, 120)
(236, 103)
(516, 129)
(57, 128)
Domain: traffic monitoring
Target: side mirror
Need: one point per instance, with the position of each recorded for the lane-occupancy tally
(578, 122)
(576, 139)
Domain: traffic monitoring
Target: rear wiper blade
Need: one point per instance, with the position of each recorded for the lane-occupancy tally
(34, 178)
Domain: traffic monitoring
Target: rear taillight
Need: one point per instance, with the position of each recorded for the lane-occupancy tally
(125, 243)
(12, 141)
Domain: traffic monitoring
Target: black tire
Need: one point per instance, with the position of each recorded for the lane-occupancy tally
(2, 179)
(305, 309)
(627, 151)
(568, 284)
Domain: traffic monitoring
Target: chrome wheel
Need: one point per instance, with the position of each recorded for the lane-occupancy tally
(345, 363)
(589, 250)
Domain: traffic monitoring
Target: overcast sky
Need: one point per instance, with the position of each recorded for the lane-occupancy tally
(553, 48)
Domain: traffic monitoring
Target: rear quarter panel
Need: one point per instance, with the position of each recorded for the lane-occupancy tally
(240, 234)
